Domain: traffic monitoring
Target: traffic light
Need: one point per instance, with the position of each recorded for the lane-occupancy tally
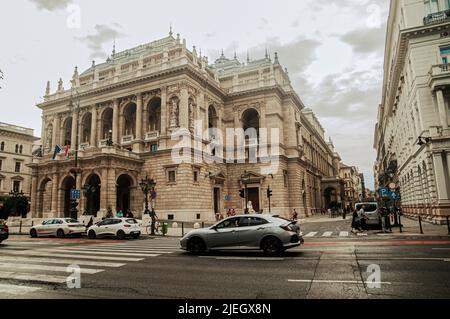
(269, 193)
(242, 193)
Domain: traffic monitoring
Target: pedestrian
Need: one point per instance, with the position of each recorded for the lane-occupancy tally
(91, 222)
(130, 214)
(233, 212)
(295, 215)
(355, 222)
(217, 217)
(382, 214)
(120, 214)
(246, 211)
(229, 212)
(362, 217)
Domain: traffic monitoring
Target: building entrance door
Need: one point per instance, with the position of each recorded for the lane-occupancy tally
(253, 196)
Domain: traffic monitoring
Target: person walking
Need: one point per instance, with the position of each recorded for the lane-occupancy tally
(355, 222)
(295, 215)
(362, 217)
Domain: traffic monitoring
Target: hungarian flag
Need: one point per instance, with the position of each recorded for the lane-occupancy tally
(66, 152)
(57, 151)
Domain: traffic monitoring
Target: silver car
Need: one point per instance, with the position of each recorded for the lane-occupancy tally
(59, 227)
(271, 234)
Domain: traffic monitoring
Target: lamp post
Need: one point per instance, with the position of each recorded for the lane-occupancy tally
(109, 142)
(148, 185)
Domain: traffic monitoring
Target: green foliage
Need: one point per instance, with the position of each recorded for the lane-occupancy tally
(15, 206)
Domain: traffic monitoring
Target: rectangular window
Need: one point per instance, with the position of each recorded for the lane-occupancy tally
(1, 164)
(154, 148)
(172, 176)
(170, 217)
(18, 166)
(431, 6)
(16, 186)
(195, 176)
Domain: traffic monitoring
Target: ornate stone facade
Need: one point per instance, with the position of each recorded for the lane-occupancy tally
(139, 97)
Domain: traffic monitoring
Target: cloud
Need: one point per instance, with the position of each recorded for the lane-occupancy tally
(366, 41)
(103, 34)
(51, 5)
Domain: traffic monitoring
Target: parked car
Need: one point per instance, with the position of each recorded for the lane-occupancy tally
(4, 231)
(115, 227)
(58, 227)
(371, 216)
(272, 234)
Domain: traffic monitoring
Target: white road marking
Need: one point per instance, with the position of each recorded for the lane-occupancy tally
(61, 261)
(246, 258)
(60, 250)
(311, 234)
(111, 250)
(356, 282)
(33, 277)
(344, 234)
(46, 268)
(327, 234)
(50, 254)
(17, 290)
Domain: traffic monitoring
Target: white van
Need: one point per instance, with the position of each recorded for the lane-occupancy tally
(370, 213)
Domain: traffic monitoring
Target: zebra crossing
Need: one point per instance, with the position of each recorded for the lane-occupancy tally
(328, 234)
(28, 266)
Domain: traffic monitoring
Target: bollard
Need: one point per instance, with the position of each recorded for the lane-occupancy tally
(420, 223)
(203, 225)
(400, 223)
(182, 229)
(20, 228)
(448, 224)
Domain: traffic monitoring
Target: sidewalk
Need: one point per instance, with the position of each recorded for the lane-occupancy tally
(322, 219)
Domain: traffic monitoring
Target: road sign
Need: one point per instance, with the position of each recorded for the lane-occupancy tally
(384, 192)
(394, 195)
(227, 198)
(392, 186)
(75, 194)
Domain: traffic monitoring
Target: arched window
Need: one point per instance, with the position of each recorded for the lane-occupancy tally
(212, 117)
(2, 146)
(154, 115)
(17, 148)
(21, 149)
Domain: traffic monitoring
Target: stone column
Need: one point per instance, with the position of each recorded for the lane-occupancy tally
(164, 113)
(184, 107)
(439, 174)
(74, 130)
(56, 129)
(104, 193)
(138, 117)
(145, 119)
(34, 197)
(54, 204)
(94, 134)
(115, 122)
(112, 190)
(442, 110)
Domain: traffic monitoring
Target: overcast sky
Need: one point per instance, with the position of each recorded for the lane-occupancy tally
(333, 50)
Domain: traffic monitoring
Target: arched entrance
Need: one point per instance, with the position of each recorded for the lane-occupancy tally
(67, 185)
(129, 115)
(331, 200)
(92, 194)
(45, 197)
(124, 184)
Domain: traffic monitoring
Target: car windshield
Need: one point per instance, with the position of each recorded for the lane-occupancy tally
(368, 208)
(71, 221)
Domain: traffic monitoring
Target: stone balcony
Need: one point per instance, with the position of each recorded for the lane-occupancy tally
(152, 136)
(127, 139)
(437, 17)
(439, 75)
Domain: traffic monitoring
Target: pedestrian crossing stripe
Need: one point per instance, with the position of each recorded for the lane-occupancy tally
(16, 290)
(82, 252)
(312, 234)
(26, 267)
(44, 260)
(327, 234)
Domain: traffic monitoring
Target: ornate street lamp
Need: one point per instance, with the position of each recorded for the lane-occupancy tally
(74, 105)
(147, 186)
(109, 142)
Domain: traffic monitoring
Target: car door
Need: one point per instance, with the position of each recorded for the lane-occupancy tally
(102, 228)
(224, 235)
(45, 228)
(251, 232)
(114, 226)
(53, 228)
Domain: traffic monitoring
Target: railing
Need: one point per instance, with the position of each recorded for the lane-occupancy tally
(439, 69)
(84, 146)
(103, 143)
(437, 17)
(128, 139)
(151, 136)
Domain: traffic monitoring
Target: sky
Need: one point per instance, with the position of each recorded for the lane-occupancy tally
(333, 50)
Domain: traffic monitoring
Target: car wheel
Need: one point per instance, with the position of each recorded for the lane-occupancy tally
(272, 246)
(196, 246)
(91, 234)
(33, 233)
(60, 233)
(121, 235)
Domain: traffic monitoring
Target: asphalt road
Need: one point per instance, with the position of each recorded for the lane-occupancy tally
(326, 267)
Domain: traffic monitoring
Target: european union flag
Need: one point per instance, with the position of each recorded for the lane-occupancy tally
(57, 150)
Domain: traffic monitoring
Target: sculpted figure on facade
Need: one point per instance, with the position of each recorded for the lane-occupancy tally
(174, 113)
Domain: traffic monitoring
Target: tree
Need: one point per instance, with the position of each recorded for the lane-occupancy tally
(16, 205)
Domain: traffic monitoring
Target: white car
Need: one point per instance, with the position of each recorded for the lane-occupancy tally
(59, 227)
(370, 213)
(115, 227)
